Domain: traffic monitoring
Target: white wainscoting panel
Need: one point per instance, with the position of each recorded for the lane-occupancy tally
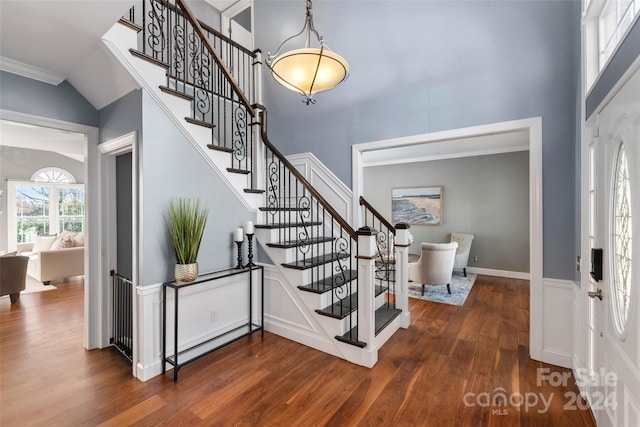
(558, 322)
(204, 311)
(287, 316)
(326, 182)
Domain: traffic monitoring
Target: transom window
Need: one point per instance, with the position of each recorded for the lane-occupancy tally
(52, 175)
(621, 239)
(606, 22)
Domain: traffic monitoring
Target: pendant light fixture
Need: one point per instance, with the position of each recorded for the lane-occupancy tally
(308, 70)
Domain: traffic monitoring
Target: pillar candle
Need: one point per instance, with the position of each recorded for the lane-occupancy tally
(249, 227)
(239, 237)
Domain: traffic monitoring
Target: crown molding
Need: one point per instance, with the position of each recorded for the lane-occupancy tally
(30, 71)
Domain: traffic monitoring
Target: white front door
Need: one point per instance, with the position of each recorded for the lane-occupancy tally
(613, 347)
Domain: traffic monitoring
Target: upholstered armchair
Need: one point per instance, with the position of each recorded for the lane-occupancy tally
(462, 253)
(435, 265)
(13, 276)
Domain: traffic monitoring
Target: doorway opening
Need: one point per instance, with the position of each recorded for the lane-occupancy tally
(472, 141)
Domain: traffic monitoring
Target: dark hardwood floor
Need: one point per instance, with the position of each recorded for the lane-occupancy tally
(445, 370)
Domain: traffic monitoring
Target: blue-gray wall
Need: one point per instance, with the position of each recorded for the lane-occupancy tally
(419, 67)
(487, 196)
(171, 167)
(61, 102)
(121, 117)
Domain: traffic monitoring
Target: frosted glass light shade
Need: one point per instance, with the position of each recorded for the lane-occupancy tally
(296, 70)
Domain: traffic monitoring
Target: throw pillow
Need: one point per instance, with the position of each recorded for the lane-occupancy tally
(63, 243)
(43, 243)
(78, 239)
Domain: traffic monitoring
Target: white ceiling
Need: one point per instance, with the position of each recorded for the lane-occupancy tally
(40, 138)
(63, 38)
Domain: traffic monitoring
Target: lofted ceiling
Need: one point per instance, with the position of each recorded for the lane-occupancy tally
(61, 38)
(21, 135)
(56, 40)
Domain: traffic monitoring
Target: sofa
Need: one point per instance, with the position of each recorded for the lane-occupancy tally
(54, 257)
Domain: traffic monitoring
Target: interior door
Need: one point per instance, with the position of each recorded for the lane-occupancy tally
(614, 191)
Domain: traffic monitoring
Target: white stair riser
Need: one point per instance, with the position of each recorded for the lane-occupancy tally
(342, 326)
(119, 39)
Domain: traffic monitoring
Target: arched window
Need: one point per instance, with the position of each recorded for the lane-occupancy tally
(55, 175)
(621, 241)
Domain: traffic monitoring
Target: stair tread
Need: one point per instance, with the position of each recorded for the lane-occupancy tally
(296, 243)
(219, 148)
(283, 209)
(130, 24)
(148, 58)
(342, 308)
(384, 316)
(253, 190)
(199, 122)
(240, 171)
(315, 261)
(177, 93)
(288, 224)
(328, 283)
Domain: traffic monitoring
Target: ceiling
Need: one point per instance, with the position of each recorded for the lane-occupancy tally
(21, 135)
(61, 39)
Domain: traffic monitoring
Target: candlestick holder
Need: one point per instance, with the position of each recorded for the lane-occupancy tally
(239, 266)
(250, 251)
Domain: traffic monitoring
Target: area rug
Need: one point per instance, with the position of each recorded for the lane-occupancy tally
(34, 286)
(460, 287)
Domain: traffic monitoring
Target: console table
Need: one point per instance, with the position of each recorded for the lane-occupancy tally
(180, 358)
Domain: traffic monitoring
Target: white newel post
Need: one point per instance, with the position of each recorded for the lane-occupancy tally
(258, 146)
(402, 244)
(366, 294)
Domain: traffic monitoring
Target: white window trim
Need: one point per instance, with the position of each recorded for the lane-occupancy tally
(72, 179)
(12, 222)
(592, 9)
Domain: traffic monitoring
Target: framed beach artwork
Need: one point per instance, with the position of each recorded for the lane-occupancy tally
(417, 205)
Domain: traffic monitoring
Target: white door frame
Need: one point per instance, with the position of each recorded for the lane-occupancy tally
(96, 272)
(534, 127)
(595, 318)
(109, 150)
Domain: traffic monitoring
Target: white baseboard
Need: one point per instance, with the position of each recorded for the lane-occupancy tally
(500, 273)
(558, 358)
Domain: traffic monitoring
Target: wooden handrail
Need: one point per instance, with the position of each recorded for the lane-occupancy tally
(382, 219)
(306, 184)
(229, 77)
(210, 29)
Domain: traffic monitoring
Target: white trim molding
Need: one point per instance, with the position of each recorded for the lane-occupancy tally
(326, 182)
(30, 71)
(534, 128)
(96, 276)
(500, 273)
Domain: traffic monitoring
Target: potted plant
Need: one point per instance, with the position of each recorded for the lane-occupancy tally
(187, 222)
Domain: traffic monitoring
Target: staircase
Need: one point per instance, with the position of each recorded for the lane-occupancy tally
(208, 86)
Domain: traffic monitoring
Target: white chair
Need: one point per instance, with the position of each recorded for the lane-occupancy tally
(462, 253)
(435, 266)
